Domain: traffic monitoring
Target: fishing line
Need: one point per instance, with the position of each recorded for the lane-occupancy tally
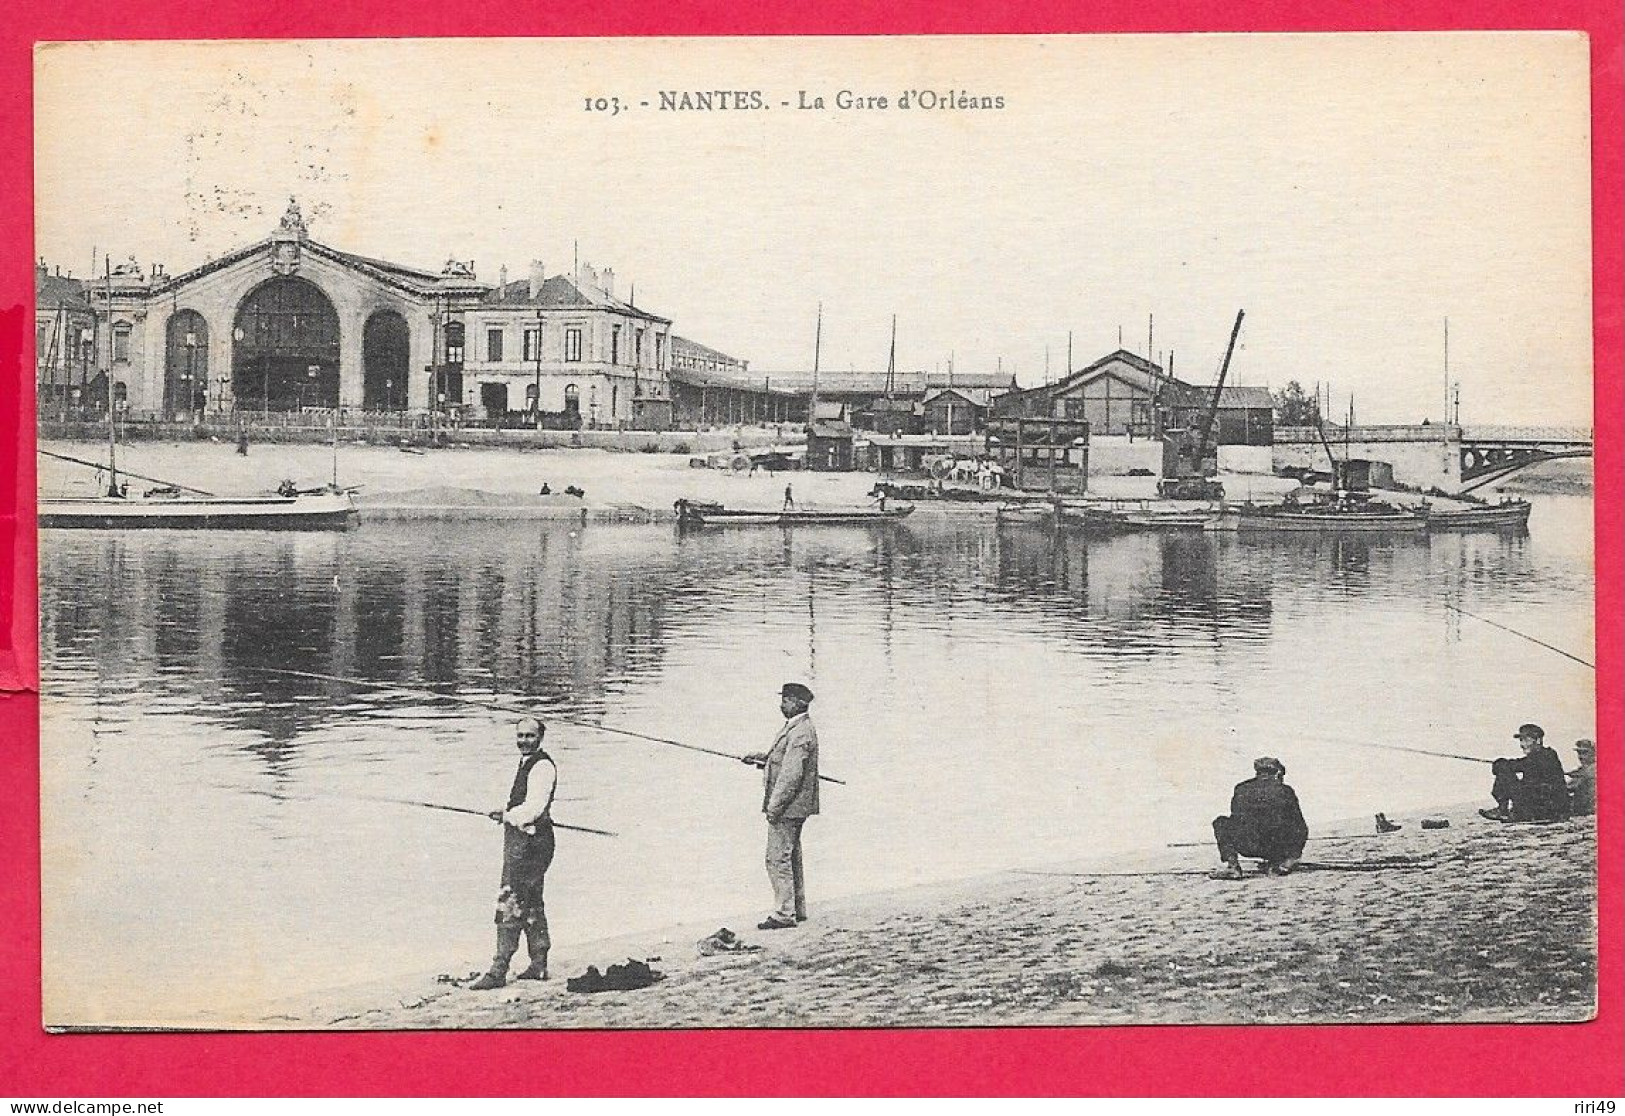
(1520, 635)
(497, 703)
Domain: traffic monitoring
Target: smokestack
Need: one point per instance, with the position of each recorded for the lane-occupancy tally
(609, 281)
(538, 276)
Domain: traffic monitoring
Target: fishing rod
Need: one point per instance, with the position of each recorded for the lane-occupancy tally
(1325, 837)
(125, 472)
(1520, 635)
(508, 708)
(1395, 748)
(491, 815)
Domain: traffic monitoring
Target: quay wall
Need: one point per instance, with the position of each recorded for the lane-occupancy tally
(626, 441)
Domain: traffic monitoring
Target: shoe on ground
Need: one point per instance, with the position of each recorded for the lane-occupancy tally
(773, 923)
(490, 980)
(1495, 815)
(801, 918)
(1386, 826)
(533, 972)
(1228, 872)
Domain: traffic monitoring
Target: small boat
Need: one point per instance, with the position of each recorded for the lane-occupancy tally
(1345, 513)
(699, 513)
(306, 512)
(1031, 511)
(1509, 515)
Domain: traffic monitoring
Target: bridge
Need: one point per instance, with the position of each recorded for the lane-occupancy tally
(1451, 458)
(1489, 453)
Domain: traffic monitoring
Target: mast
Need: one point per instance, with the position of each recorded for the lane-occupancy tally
(1213, 405)
(818, 342)
(891, 361)
(1447, 371)
(112, 428)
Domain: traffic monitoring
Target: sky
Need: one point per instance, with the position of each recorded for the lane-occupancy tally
(1349, 192)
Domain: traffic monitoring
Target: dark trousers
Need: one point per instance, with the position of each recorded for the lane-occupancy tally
(1525, 801)
(1237, 837)
(521, 905)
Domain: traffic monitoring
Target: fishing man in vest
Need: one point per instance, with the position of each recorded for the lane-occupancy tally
(1531, 787)
(527, 850)
(1265, 821)
(789, 798)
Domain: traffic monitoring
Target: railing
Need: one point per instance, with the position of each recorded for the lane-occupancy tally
(1439, 432)
(1537, 435)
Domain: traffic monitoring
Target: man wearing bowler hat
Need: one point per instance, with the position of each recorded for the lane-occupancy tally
(1530, 788)
(789, 798)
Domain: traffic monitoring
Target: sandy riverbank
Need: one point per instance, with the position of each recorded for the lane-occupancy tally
(1478, 922)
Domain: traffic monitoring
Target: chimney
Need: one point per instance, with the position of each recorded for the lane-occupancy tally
(538, 276)
(609, 281)
(502, 283)
(40, 270)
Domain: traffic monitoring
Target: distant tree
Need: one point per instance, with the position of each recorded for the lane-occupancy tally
(1294, 406)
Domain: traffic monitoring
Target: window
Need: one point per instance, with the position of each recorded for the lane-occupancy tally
(454, 343)
(493, 345)
(572, 344)
(660, 348)
(121, 341)
(615, 345)
(533, 343)
(637, 348)
(572, 399)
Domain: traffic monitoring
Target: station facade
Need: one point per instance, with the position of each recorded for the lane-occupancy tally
(289, 324)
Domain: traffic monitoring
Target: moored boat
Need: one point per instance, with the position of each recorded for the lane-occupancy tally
(308, 512)
(1343, 515)
(696, 513)
(1509, 515)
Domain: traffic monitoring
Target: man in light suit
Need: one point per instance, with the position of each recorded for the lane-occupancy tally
(789, 798)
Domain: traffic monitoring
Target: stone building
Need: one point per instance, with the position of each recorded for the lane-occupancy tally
(596, 360)
(1123, 394)
(289, 323)
(64, 340)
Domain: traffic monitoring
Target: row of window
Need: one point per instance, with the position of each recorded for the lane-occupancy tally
(495, 337)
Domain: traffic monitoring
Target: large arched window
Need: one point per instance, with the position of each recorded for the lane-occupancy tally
(572, 400)
(186, 363)
(385, 357)
(285, 347)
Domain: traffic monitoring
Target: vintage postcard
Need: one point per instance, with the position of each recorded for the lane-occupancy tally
(870, 532)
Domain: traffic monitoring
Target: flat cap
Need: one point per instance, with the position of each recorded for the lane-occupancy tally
(797, 691)
(1269, 763)
(1529, 731)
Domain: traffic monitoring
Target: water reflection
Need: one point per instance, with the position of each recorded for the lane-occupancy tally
(566, 615)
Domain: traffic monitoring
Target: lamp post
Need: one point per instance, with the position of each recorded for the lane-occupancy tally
(87, 346)
(311, 372)
(537, 402)
(191, 370)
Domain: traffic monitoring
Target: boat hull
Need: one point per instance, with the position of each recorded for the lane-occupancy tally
(270, 513)
(1328, 522)
(713, 516)
(1497, 517)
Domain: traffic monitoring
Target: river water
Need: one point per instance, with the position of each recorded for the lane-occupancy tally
(993, 696)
